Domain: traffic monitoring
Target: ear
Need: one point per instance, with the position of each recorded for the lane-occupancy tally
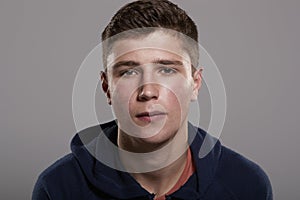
(105, 87)
(197, 78)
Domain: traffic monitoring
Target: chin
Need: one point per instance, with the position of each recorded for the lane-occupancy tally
(160, 139)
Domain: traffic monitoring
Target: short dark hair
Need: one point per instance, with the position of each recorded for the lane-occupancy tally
(150, 14)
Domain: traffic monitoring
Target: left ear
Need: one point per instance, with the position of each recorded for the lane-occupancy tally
(197, 78)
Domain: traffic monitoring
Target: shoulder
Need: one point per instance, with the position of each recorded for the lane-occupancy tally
(66, 163)
(53, 179)
(243, 178)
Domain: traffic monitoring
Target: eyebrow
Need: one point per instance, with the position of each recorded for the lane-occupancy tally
(168, 62)
(131, 63)
(128, 63)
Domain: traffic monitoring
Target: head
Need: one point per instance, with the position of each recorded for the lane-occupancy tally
(150, 54)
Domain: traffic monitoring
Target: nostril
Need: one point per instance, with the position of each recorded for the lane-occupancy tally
(148, 92)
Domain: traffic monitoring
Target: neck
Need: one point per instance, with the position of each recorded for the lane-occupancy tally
(157, 167)
(161, 181)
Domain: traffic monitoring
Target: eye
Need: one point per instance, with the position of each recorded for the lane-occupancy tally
(128, 72)
(168, 70)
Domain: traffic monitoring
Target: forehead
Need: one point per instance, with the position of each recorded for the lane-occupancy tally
(155, 45)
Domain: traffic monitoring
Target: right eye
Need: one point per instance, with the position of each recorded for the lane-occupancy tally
(128, 72)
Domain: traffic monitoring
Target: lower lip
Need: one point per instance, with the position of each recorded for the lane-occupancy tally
(152, 118)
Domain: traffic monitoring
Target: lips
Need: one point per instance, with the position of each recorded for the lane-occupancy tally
(151, 116)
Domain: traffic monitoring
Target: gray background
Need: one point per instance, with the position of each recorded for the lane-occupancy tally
(254, 43)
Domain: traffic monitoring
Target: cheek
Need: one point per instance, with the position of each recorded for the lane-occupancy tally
(170, 99)
(179, 98)
(121, 95)
(121, 91)
(182, 90)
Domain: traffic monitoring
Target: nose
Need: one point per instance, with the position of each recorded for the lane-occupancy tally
(148, 92)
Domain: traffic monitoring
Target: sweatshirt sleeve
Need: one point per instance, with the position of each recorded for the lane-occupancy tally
(40, 191)
(264, 190)
(243, 178)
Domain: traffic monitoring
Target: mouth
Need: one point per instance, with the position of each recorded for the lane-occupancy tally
(151, 116)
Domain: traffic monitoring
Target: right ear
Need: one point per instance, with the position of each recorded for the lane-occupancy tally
(105, 88)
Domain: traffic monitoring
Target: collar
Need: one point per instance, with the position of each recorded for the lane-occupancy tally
(122, 185)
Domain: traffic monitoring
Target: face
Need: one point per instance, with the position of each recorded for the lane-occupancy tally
(149, 83)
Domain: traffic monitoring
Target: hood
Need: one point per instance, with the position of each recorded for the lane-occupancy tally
(100, 143)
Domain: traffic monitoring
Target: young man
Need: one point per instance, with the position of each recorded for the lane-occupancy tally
(150, 54)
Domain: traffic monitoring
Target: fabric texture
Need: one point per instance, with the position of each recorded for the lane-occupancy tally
(221, 174)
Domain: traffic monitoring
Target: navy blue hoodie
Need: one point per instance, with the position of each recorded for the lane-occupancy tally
(222, 174)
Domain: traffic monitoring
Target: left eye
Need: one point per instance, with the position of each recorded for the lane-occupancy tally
(168, 70)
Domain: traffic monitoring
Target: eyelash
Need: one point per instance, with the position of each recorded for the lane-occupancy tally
(170, 69)
(124, 72)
